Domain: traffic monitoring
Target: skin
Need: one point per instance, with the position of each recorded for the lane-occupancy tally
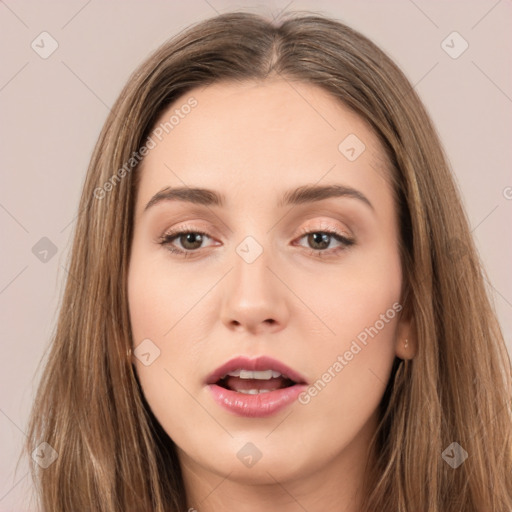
(251, 142)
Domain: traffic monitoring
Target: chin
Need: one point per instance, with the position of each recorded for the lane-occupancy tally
(258, 461)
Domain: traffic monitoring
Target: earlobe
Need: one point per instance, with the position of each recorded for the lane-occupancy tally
(406, 345)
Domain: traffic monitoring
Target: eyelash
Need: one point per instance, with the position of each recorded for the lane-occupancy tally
(166, 239)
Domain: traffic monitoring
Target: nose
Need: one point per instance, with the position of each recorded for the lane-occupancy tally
(254, 298)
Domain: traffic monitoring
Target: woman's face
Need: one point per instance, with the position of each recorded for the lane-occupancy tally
(255, 284)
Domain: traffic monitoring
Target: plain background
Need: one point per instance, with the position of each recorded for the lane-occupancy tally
(52, 111)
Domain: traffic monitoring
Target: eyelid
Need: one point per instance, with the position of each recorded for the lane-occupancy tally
(322, 225)
(327, 225)
(185, 229)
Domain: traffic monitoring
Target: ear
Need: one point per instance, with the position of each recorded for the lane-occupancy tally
(406, 330)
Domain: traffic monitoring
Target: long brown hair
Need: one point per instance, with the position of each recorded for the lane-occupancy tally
(112, 454)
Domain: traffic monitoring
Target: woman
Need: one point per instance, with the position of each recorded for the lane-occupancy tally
(274, 299)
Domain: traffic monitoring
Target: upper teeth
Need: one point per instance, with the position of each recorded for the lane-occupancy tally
(248, 374)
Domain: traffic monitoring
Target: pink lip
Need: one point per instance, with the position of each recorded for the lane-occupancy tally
(255, 406)
(262, 404)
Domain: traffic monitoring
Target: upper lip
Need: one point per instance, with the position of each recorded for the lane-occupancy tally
(257, 364)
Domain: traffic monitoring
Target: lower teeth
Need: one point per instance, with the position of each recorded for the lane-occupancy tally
(255, 391)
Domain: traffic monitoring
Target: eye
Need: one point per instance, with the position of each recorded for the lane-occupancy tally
(192, 239)
(320, 239)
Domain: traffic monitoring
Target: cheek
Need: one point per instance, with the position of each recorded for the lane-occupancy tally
(156, 306)
(355, 296)
(150, 308)
(353, 364)
(158, 296)
(164, 304)
(351, 350)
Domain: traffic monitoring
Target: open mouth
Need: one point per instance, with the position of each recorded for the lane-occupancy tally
(254, 382)
(255, 387)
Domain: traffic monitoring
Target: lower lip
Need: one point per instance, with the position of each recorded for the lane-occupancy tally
(255, 406)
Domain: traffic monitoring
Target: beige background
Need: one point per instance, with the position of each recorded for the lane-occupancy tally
(52, 111)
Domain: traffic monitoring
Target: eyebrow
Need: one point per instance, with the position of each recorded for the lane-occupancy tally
(300, 195)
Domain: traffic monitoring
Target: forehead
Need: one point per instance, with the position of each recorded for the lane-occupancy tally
(260, 136)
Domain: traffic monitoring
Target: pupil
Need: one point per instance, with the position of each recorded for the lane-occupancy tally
(189, 238)
(323, 237)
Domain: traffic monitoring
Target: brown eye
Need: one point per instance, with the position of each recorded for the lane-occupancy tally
(318, 241)
(189, 241)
